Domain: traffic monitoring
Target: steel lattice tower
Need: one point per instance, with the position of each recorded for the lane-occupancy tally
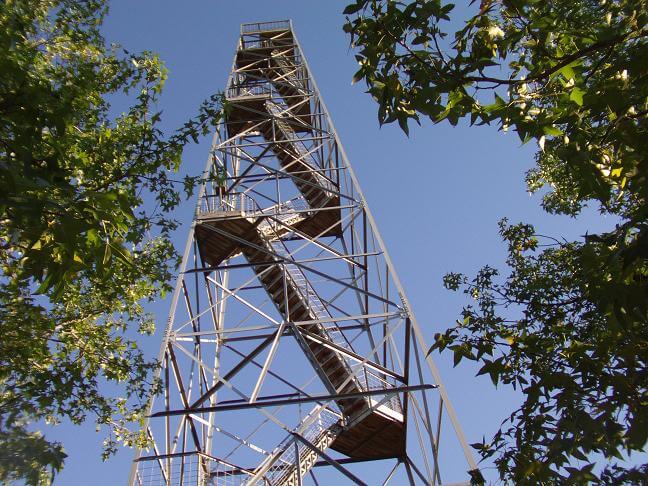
(290, 352)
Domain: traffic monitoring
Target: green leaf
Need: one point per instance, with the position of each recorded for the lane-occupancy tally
(50, 280)
(107, 255)
(121, 253)
(457, 356)
(358, 75)
(402, 122)
(576, 95)
(353, 8)
(552, 131)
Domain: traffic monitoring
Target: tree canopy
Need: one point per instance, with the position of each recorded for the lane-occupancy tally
(84, 232)
(568, 322)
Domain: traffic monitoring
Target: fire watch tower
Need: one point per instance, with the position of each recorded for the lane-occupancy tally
(291, 355)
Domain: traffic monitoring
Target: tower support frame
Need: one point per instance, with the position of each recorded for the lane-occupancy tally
(286, 296)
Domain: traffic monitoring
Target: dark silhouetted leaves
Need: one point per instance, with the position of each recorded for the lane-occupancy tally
(568, 323)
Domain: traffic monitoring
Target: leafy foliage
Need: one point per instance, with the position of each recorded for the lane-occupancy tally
(79, 250)
(568, 324)
(556, 329)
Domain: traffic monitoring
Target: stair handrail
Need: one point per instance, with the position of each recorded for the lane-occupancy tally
(365, 378)
(318, 310)
(320, 419)
(289, 134)
(296, 66)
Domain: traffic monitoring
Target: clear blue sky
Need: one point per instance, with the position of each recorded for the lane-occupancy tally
(436, 196)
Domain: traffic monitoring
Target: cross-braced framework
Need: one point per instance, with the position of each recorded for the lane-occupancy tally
(291, 354)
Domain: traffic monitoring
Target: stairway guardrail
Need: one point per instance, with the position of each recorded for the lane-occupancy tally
(242, 202)
(302, 153)
(365, 378)
(241, 90)
(239, 202)
(253, 27)
(280, 465)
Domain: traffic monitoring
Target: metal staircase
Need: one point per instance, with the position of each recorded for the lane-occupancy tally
(292, 458)
(285, 282)
(296, 160)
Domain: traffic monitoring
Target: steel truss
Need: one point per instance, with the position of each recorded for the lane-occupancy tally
(290, 353)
